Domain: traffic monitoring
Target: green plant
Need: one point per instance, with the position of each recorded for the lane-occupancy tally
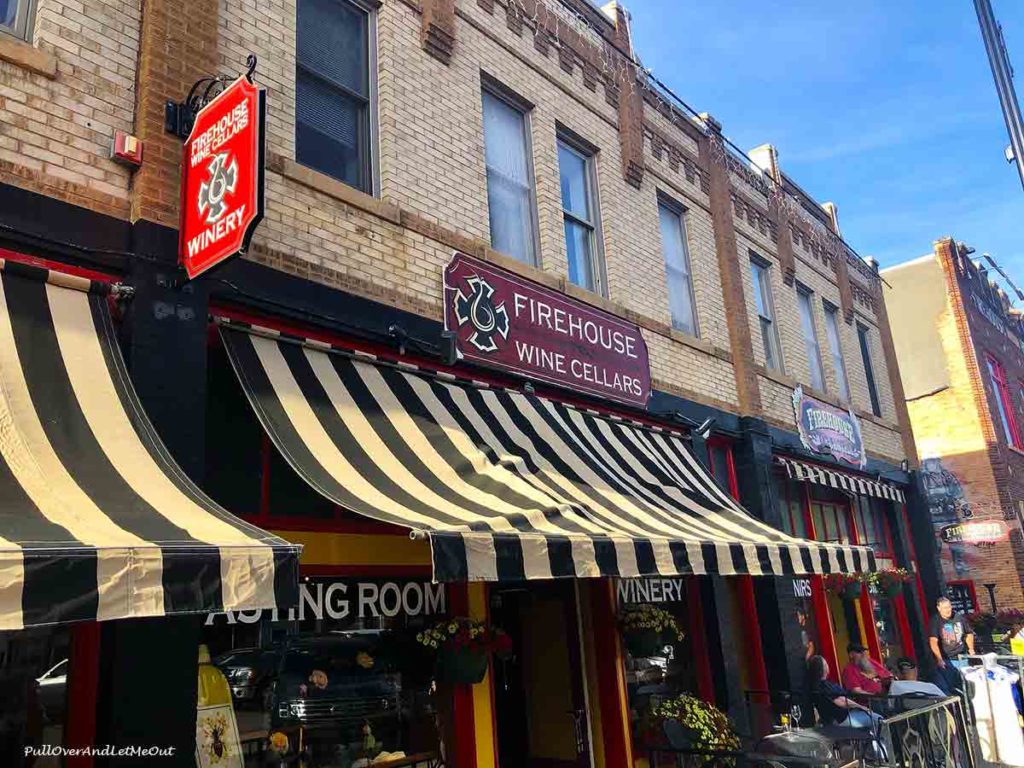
(889, 581)
(649, 618)
(983, 622)
(706, 727)
(845, 585)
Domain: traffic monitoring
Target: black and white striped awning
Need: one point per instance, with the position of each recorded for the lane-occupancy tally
(812, 473)
(96, 520)
(507, 486)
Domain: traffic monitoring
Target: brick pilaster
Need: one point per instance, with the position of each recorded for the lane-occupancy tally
(843, 280)
(437, 34)
(787, 258)
(177, 46)
(738, 321)
(630, 106)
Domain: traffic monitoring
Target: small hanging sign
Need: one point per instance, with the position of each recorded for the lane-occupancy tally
(223, 166)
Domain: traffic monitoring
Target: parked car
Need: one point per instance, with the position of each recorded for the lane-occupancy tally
(250, 673)
(52, 689)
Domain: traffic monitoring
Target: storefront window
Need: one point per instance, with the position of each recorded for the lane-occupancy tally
(790, 496)
(342, 674)
(890, 640)
(33, 692)
(655, 671)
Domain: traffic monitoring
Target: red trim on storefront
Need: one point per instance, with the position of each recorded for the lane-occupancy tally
(900, 607)
(614, 723)
(923, 602)
(822, 614)
(462, 695)
(752, 629)
(326, 525)
(867, 617)
(380, 571)
(82, 685)
(970, 586)
(701, 656)
(57, 266)
(756, 671)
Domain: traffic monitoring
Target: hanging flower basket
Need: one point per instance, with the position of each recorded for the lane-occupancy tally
(646, 630)
(686, 722)
(643, 644)
(463, 647)
(460, 666)
(845, 586)
(889, 581)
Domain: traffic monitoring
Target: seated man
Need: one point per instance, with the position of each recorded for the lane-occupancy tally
(863, 674)
(909, 684)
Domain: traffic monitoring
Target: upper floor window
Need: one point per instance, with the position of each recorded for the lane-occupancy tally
(761, 273)
(863, 335)
(333, 90)
(677, 267)
(14, 18)
(803, 296)
(579, 212)
(835, 350)
(510, 189)
(1003, 402)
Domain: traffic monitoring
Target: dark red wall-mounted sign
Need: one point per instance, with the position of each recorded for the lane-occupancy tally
(222, 178)
(824, 428)
(505, 321)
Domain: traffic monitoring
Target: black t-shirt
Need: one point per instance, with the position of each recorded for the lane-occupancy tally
(951, 634)
(824, 695)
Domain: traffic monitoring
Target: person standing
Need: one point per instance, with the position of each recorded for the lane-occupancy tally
(949, 636)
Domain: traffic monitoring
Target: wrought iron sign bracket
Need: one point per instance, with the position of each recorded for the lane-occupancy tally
(180, 116)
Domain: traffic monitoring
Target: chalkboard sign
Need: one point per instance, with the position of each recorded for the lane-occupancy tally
(962, 597)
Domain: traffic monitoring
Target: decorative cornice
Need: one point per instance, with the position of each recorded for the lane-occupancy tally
(678, 157)
(754, 215)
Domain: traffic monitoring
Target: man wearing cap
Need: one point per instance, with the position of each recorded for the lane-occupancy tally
(864, 675)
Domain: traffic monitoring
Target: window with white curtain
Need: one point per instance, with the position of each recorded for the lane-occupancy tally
(835, 350)
(803, 296)
(333, 89)
(677, 267)
(579, 214)
(510, 191)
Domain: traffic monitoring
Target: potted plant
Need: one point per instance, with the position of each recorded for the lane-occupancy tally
(686, 722)
(984, 624)
(889, 581)
(462, 646)
(646, 629)
(848, 586)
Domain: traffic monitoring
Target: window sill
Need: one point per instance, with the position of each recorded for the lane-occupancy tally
(339, 190)
(26, 56)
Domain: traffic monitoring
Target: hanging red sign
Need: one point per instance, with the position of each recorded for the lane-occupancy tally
(222, 178)
(504, 321)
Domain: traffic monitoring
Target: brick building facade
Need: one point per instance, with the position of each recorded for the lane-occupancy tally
(356, 237)
(961, 352)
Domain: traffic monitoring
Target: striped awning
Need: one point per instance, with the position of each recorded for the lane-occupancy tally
(812, 473)
(96, 520)
(506, 486)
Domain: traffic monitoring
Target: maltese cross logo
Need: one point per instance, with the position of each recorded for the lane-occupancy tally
(223, 171)
(478, 309)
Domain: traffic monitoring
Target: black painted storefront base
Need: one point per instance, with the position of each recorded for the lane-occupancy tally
(149, 667)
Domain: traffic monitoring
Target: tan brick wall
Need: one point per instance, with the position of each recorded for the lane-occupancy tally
(56, 132)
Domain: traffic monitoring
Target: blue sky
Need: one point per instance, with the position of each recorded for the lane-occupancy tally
(887, 108)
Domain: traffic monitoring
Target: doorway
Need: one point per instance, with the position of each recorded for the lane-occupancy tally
(539, 693)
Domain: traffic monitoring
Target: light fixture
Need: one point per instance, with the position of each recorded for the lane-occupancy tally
(705, 426)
